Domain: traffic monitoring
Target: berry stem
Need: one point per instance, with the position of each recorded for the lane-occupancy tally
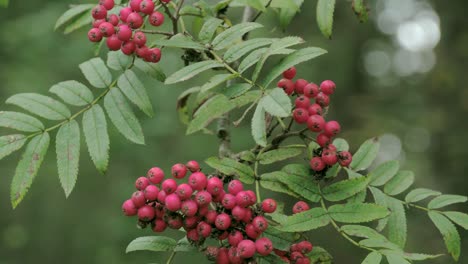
(171, 257)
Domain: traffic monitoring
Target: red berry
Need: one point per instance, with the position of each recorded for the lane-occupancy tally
(229, 201)
(192, 235)
(296, 257)
(159, 225)
(311, 90)
(151, 193)
(287, 85)
(238, 213)
(189, 208)
(260, 223)
(154, 55)
(173, 202)
(193, 166)
(304, 247)
(138, 198)
(134, 20)
(155, 175)
(169, 186)
(302, 102)
(222, 257)
(323, 140)
(113, 42)
(332, 128)
(264, 246)
(98, 22)
(179, 171)
(162, 196)
(223, 221)
(329, 157)
(210, 217)
(204, 229)
(146, 213)
(290, 73)
(327, 87)
(246, 248)
(235, 186)
(315, 123)
(113, 19)
(99, 12)
(234, 257)
(184, 191)
(218, 198)
(269, 206)
(331, 147)
(253, 197)
(147, 7)
(251, 232)
(156, 19)
(124, 32)
(190, 222)
(142, 52)
(124, 12)
(141, 183)
(235, 237)
(135, 5)
(243, 199)
(345, 158)
(315, 109)
(129, 208)
(95, 35)
(203, 198)
(317, 164)
(128, 48)
(300, 206)
(107, 29)
(214, 186)
(223, 236)
(322, 99)
(299, 86)
(248, 216)
(197, 181)
(108, 4)
(300, 115)
(175, 222)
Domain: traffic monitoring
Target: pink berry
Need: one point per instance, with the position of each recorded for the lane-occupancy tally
(108, 4)
(99, 12)
(304, 247)
(193, 166)
(315, 109)
(203, 198)
(189, 208)
(218, 198)
(169, 186)
(107, 29)
(155, 175)
(327, 87)
(175, 221)
(332, 128)
(95, 35)
(329, 157)
(331, 147)
(322, 99)
(113, 42)
(197, 181)
(235, 186)
(210, 217)
(248, 216)
(159, 225)
(300, 115)
(129, 208)
(214, 186)
(142, 52)
(124, 32)
(315, 123)
(138, 199)
(173, 202)
(124, 12)
(229, 201)
(179, 171)
(299, 86)
(141, 183)
(154, 56)
(223, 221)
(243, 199)
(151, 193)
(311, 90)
(260, 223)
(146, 213)
(234, 257)
(269, 206)
(156, 19)
(193, 235)
(300, 206)
(296, 257)
(162, 196)
(246, 248)
(253, 197)
(128, 48)
(287, 85)
(98, 22)
(345, 158)
(113, 19)
(184, 191)
(251, 232)
(302, 102)
(235, 237)
(134, 20)
(203, 210)
(238, 213)
(147, 7)
(204, 229)
(139, 38)
(190, 222)
(317, 164)
(290, 73)
(159, 211)
(135, 5)
(264, 246)
(323, 140)
(222, 257)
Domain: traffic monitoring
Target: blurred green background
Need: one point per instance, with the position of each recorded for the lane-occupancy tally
(400, 76)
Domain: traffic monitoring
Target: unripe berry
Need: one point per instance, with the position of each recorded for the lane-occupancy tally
(169, 186)
(345, 158)
(159, 225)
(222, 257)
(302, 102)
(223, 221)
(154, 55)
(287, 85)
(210, 217)
(203, 198)
(269, 206)
(146, 213)
(322, 99)
(124, 32)
(300, 115)
(135, 5)
(315, 109)
(204, 229)
(238, 213)
(229, 201)
(141, 183)
(315, 123)
(184, 191)
(134, 20)
(246, 248)
(139, 38)
(162, 196)
(311, 90)
(234, 257)
(332, 128)
(108, 4)
(235, 186)
(113, 42)
(192, 235)
(129, 208)
(251, 232)
(173, 202)
(197, 181)
(299, 86)
(138, 198)
(156, 19)
(99, 12)
(317, 164)
(243, 199)
(235, 237)
(193, 166)
(178, 171)
(214, 186)
(323, 140)
(107, 29)
(128, 48)
(147, 7)
(329, 157)
(290, 73)
(264, 246)
(300, 206)
(175, 221)
(260, 223)
(304, 247)
(113, 19)
(327, 87)
(94, 35)
(151, 193)
(155, 175)
(124, 12)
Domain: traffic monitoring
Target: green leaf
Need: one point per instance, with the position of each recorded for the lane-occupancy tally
(325, 10)
(96, 73)
(20, 121)
(4, 3)
(419, 256)
(135, 91)
(73, 92)
(361, 231)
(118, 61)
(292, 59)
(40, 105)
(383, 173)
(419, 194)
(379, 243)
(319, 255)
(344, 189)
(180, 41)
(280, 239)
(248, 97)
(341, 144)
(122, 116)
(357, 213)
(232, 167)
(381, 199)
(10, 144)
(458, 218)
(446, 199)
(305, 187)
(361, 10)
(277, 103)
(396, 259)
(290, 4)
(236, 90)
(256, 55)
(373, 258)
(209, 111)
(68, 155)
(192, 70)
(97, 138)
(287, 14)
(280, 154)
(151, 69)
(397, 227)
(259, 126)
(360, 197)
(72, 13)
(231, 35)
(365, 155)
(28, 167)
(209, 29)
(152, 243)
(400, 183)
(216, 80)
(257, 4)
(449, 233)
(300, 170)
(270, 181)
(236, 52)
(80, 21)
(305, 221)
(183, 245)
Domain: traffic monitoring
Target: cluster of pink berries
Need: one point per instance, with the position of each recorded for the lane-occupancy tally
(122, 31)
(311, 113)
(203, 207)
